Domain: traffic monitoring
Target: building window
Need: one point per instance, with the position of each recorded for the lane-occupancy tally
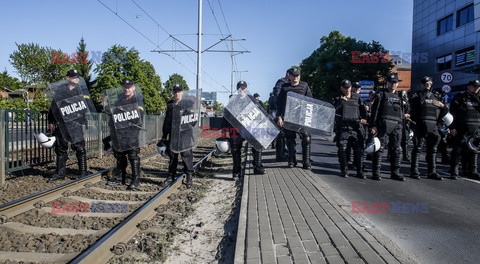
(465, 15)
(465, 56)
(444, 25)
(444, 62)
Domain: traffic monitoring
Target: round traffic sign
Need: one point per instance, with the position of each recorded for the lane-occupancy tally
(446, 88)
(446, 77)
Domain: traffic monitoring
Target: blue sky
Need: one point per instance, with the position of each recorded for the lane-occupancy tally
(278, 33)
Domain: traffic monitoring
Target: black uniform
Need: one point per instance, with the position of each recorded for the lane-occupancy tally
(236, 142)
(128, 138)
(349, 131)
(465, 108)
(61, 132)
(187, 155)
(426, 115)
(303, 89)
(406, 126)
(387, 115)
(280, 140)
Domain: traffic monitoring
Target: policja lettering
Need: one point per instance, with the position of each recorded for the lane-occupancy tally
(72, 108)
(186, 119)
(125, 116)
(309, 115)
(246, 121)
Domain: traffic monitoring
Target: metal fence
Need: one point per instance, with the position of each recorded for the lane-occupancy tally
(21, 150)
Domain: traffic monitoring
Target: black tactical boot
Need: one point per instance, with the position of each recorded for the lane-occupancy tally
(376, 165)
(414, 173)
(431, 167)
(358, 160)
(82, 164)
(61, 169)
(135, 184)
(395, 161)
(307, 165)
(120, 178)
(280, 148)
(189, 180)
(257, 162)
(342, 160)
(292, 159)
(473, 173)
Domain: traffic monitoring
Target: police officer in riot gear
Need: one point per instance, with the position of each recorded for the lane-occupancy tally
(356, 89)
(426, 110)
(280, 140)
(295, 86)
(236, 140)
(127, 137)
(386, 122)
(68, 90)
(465, 109)
(406, 126)
(177, 103)
(350, 116)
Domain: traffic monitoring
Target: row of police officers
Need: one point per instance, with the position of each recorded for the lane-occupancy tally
(383, 128)
(70, 111)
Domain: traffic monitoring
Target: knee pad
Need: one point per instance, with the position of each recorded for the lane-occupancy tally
(133, 155)
(306, 139)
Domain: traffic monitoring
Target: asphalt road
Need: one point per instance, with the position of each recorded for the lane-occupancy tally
(449, 230)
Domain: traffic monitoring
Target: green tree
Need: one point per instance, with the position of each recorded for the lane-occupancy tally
(218, 108)
(36, 64)
(332, 62)
(83, 65)
(119, 63)
(9, 82)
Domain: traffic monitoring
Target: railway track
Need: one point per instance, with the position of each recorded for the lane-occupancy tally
(88, 221)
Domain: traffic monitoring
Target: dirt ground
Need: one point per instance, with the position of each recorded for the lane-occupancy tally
(209, 233)
(206, 235)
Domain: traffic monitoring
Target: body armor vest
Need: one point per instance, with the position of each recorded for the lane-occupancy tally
(472, 117)
(350, 110)
(391, 107)
(429, 112)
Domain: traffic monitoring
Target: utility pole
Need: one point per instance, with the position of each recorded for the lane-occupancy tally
(199, 57)
(232, 54)
(199, 51)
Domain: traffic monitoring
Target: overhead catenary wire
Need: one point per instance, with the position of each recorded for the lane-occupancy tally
(157, 45)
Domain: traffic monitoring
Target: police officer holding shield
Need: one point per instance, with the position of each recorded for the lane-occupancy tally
(296, 86)
(126, 128)
(386, 122)
(350, 116)
(236, 139)
(174, 107)
(465, 108)
(280, 140)
(66, 121)
(426, 111)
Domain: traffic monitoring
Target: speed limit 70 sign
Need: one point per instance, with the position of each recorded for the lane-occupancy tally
(447, 77)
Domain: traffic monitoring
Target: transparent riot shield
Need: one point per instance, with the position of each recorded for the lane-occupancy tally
(251, 120)
(72, 107)
(126, 112)
(305, 114)
(185, 122)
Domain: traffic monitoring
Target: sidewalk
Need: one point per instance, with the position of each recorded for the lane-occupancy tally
(292, 216)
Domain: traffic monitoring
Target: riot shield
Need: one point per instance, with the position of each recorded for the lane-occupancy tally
(185, 122)
(125, 109)
(305, 114)
(250, 120)
(72, 107)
